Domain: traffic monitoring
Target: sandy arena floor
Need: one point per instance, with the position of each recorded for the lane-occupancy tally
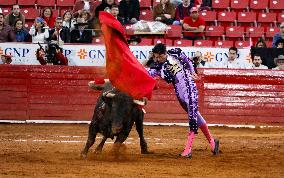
(52, 150)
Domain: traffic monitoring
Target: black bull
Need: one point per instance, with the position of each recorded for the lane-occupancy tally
(114, 115)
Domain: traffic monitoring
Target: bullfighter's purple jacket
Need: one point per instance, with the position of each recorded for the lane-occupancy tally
(177, 69)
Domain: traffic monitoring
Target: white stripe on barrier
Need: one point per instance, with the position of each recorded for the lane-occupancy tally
(145, 123)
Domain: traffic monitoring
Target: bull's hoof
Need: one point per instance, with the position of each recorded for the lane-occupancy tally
(147, 152)
(83, 156)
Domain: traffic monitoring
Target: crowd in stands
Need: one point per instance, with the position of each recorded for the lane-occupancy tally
(78, 22)
(191, 15)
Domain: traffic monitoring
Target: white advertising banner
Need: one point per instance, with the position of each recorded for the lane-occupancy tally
(94, 55)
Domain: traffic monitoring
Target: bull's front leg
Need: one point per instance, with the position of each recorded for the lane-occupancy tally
(139, 129)
(101, 145)
(91, 140)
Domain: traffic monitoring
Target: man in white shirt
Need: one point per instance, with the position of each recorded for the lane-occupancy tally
(257, 62)
(279, 61)
(232, 62)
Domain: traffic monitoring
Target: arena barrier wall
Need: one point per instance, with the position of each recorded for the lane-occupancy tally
(61, 93)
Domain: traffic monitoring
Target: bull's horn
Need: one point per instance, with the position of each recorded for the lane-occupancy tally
(110, 95)
(95, 86)
(139, 102)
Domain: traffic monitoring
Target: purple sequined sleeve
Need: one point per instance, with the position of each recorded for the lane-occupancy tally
(186, 59)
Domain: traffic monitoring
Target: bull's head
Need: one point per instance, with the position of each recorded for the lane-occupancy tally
(122, 106)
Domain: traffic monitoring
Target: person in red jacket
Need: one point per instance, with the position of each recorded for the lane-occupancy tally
(52, 56)
(48, 17)
(193, 25)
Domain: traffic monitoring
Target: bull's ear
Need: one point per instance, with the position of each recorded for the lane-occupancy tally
(94, 86)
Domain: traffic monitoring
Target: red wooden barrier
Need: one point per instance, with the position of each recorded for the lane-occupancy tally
(61, 93)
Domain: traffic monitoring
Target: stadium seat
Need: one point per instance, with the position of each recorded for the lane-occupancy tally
(146, 15)
(235, 32)
(46, 3)
(208, 16)
(258, 5)
(266, 19)
(65, 3)
(129, 30)
(276, 5)
(268, 44)
(220, 5)
(271, 31)
(280, 17)
(29, 23)
(168, 42)
(26, 3)
(246, 18)
(7, 2)
(145, 4)
(174, 31)
(183, 43)
(227, 18)
(146, 42)
(254, 32)
(203, 43)
(6, 10)
(224, 44)
(239, 5)
(30, 13)
(215, 31)
(242, 44)
(155, 2)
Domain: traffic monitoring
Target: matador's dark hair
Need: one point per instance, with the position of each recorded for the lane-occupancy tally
(159, 48)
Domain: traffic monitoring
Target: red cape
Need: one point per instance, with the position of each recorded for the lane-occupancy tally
(123, 69)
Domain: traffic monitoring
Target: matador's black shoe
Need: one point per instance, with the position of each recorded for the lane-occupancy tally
(216, 148)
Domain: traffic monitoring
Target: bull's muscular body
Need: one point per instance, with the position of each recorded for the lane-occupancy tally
(115, 116)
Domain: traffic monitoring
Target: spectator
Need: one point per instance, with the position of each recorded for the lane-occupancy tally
(279, 43)
(6, 32)
(115, 11)
(68, 20)
(198, 61)
(52, 56)
(1, 10)
(257, 62)
(129, 10)
(260, 43)
(194, 25)
(88, 5)
(134, 40)
(5, 59)
(48, 17)
(279, 35)
(80, 34)
(59, 33)
(10, 19)
(39, 31)
(203, 4)
(182, 11)
(85, 15)
(232, 62)
(22, 35)
(279, 62)
(164, 12)
(105, 4)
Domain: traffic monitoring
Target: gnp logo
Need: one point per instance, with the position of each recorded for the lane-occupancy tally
(82, 53)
